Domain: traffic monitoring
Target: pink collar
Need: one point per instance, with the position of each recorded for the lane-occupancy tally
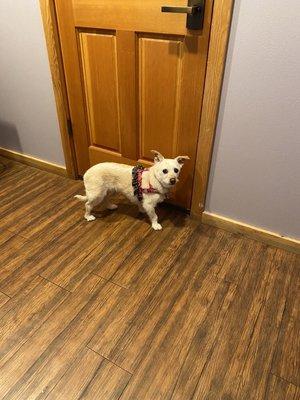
(137, 173)
(150, 189)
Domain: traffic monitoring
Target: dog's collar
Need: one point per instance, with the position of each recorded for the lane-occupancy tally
(137, 173)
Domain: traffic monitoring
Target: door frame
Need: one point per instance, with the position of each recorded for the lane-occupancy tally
(217, 49)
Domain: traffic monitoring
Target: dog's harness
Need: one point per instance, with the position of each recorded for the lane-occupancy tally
(137, 173)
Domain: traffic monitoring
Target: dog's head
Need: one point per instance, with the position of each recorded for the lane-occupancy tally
(167, 170)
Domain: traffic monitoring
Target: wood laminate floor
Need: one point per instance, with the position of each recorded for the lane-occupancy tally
(111, 309)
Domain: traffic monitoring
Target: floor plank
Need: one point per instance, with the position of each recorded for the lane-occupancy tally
(109, 383)
(3, 299)
(26, 217)
(237, 257)
(9, 242)
(20, 198)
(279, 389)
(286, 363)
(60, 354)
(13, 174)
(141, 244)
(61, 260)
(202, 343)
(221, 375)
(87, 379)
(27, 315)
(18, 373)
(11, 250)
(253, 372)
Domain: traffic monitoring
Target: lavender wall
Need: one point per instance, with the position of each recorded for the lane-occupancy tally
(28, 121)
(255, 174)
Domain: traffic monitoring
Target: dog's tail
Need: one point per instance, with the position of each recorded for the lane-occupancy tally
(81, 198)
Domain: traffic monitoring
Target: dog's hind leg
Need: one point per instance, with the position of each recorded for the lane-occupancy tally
(90, 204)
(109, 205)
(88, 208)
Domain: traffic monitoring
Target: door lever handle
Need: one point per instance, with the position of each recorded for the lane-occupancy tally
(182, 10)
(194, 11)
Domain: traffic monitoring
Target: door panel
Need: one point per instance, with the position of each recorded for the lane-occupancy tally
(160, 63)
(124, 15)
(135, 80)
(101, 88)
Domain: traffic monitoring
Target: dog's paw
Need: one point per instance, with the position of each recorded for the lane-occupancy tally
(90, 218)
(157, 226)
(112, 207)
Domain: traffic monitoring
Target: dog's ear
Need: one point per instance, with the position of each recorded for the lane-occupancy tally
(181, 159)
(157, 156)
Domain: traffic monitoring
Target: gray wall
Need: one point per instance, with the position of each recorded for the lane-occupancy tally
(28, 121)
(255, 174)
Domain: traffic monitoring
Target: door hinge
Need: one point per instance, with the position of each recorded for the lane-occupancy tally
(69, 127)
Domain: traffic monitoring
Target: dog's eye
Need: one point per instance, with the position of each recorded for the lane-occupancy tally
(165, 171)
(175, 170)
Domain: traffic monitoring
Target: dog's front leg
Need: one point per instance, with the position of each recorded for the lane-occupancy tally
(150, 210)
(141, 209)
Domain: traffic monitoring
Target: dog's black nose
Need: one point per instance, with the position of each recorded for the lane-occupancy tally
(172, 181)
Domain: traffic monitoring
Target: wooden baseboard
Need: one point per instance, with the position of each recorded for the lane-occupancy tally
(253, 232)
(33, 162)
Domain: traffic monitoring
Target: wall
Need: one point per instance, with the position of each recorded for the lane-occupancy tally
(28, 121)
(255, 174)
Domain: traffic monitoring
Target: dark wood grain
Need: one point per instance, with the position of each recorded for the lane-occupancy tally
(91, 377)
(26, 315)
(286, 362)
(26, 216)
(114, 310)
(3, 299)
(222, 373)
(279, 389)
(15, 373)
(9, 242)
(258, 357)
(159, 301)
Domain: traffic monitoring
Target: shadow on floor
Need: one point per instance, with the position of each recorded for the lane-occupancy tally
(166, 212)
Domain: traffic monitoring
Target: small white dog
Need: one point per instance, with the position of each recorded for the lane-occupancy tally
(144, 187)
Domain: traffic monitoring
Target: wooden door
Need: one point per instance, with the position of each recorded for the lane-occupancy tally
(135, 79)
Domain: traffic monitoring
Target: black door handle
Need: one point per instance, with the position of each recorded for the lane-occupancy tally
(194, 11)
(182, 10)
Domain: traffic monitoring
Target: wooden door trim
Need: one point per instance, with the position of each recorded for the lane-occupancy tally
(217, 50)
(219, 34)
(59, 86)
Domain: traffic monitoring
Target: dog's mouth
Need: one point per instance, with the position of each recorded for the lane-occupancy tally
(170, 184)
